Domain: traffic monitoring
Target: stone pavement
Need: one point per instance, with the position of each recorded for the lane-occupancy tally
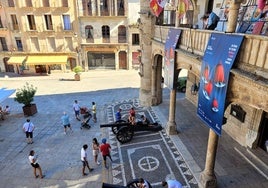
(59, 154)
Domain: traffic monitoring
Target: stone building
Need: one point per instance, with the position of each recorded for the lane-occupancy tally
(109, 34)
(44, 36)
(38, 36)
(246, 103)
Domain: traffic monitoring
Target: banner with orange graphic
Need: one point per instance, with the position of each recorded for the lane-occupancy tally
(217, 62)
(157, 6)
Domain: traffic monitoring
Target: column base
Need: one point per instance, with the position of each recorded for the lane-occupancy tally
(208, 181)
(171, 128)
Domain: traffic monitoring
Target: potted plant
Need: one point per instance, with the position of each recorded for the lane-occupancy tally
(25, 96)
(77, 70)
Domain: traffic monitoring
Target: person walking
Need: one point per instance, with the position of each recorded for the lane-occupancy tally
(33, 160)
(66, 122)
(105, 151)
(171, 184)
(84, 160)
(95, 150)
(94, 112)
(28, 128)
(76, 109)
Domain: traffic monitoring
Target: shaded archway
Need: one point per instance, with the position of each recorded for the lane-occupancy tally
(157, 81)
(9, 68)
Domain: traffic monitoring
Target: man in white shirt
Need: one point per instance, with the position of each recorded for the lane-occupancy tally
(84, 155)
(76, 109)
(28, 128)
(172, 184)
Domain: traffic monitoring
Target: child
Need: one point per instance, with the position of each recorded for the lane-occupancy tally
(95, 150)
(105, 150)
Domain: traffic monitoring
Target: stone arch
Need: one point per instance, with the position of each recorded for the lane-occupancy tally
(157, 78)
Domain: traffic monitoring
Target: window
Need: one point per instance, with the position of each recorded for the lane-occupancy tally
(104, 7)
(14, 22)
(135, 39)
(64, 3)
(19, 43)
(3, 44)
(28, 3)
(89, 33)
(105, 34)
(1, 24)
(11, 3)
(34, 44)
(31, 22)
(121, 8)
(89, 8)
(122, 37)
(68, 44)
(46, 3)
(51, 44)
(49, 25)
(66, 22)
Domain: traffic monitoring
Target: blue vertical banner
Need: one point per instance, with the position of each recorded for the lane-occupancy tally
(217, 62)
(169, 68)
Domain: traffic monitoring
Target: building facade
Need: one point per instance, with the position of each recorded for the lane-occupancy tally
(246, 105)
(44, 36)
(38, 36)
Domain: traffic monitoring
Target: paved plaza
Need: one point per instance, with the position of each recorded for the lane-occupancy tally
(154, 156)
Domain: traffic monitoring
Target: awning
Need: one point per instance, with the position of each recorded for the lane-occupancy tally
(46, 60)
(5, 93)
(16, 60)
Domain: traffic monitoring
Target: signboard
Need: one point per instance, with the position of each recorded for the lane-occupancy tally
(218, 59)
(169, 68)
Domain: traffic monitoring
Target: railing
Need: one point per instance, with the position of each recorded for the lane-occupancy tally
(253, 56)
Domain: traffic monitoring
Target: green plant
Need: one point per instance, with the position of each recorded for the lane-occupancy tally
(77, 70)
(25, 95)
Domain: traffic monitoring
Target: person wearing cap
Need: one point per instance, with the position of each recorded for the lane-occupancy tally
(66, 122)
(105, 151)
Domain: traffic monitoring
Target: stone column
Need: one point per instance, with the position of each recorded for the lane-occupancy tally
(146, 33)
(232, 16)
(171, 128)
(207, 177)
(116, 60)
(94, 8)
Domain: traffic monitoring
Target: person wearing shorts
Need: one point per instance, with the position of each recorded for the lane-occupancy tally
(84, 160)
(28, 128)
(35, 165)
(105, 151)
(76, 109)
(66, 122)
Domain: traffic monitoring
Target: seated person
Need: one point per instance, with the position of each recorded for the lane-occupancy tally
(132, 119)
(7, 110)
(2, 114)
(146, 121)
(118, 115)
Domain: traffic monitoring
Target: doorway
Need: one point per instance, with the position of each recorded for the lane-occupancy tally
(263, 132)
(122, 60)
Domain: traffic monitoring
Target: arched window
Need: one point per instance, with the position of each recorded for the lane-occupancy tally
(89, 34)
(105, 34)
(122, 37)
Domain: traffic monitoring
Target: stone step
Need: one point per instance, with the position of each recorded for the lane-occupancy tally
(255, 158)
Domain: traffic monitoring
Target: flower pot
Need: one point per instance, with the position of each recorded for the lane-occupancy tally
(77, 77)
(29, 110)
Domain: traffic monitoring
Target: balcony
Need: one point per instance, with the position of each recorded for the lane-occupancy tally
(252, 57)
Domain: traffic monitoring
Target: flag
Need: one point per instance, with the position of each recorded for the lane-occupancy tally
(157, 6)
(183, 6)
